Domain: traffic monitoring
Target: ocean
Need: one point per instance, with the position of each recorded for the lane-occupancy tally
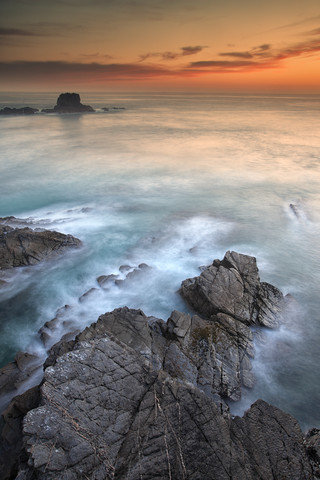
(173, 181)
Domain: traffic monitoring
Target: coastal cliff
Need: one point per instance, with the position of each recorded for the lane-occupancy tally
(134, 397)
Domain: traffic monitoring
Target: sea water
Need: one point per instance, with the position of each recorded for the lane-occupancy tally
(173, 181)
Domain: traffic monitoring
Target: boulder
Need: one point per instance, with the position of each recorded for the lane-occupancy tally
(69, 103)
(25, 246)
(232, 286)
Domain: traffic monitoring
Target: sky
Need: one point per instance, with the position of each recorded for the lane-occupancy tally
(164, 45)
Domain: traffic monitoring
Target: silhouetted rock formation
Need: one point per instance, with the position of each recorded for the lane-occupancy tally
(69, 103)
(135, 397)
(18, 111)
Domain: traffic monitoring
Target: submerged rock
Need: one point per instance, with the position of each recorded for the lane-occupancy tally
(69, 103)
(24, 246)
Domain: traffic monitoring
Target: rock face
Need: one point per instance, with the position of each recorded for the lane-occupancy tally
(232, 286)
(69, 103)
(133, 397)
(121, 401)
(24, 246)
(18, 111)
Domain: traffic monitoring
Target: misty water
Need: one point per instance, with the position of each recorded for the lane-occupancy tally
(173, 181)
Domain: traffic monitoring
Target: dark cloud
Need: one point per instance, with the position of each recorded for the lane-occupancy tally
(315, 31)
(236, 54)
(85, 71)
(191, 50)
(262, 57)
(264, 47)
(185, 51)
(17, 32)
(225, 64)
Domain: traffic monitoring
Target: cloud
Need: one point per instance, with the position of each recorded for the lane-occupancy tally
(185, 51)
(56, 70)
(191, 50)
(295, 24)
(261, 57)
(236, 54)
(17, 32)
(315, 31)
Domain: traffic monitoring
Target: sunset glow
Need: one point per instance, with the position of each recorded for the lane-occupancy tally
(168, 45)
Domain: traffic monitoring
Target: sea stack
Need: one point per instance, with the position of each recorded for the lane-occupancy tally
(69, 103)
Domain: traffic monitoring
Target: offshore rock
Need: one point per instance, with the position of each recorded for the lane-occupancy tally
(232, 286)
(24, 246)
(121, 401)
(69, 103)
(18, 111)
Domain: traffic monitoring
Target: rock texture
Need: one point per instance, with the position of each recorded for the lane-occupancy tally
(69, 103)
(121, 401)
(232, 286)
(133, 397)
(24, 246)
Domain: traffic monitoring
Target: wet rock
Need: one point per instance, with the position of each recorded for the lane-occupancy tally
(106, 280)
(69, 103)
(232, 286)
(15, 374)
(120, 402)
(135, 397)
(124, 268)
(24, 246)
(11, 432)
(18, 111)
(87, 294)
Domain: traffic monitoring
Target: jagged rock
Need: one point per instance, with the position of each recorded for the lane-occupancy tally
(18, 111)
(232, 286)
(11, 436)
(113, 406)
(69, 103)
(135, 397)
(24, 246)
(16, 373)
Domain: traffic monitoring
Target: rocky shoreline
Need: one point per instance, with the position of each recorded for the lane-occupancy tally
(134, 397)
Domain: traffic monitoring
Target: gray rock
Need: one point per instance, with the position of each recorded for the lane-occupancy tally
(232, 286)
(11, 431)
(106, 280)
(107, 410)
(24, 246)
(133, 397)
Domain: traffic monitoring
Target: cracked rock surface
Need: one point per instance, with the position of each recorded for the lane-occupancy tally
(133, 397)
(232, 286)
(24, 246)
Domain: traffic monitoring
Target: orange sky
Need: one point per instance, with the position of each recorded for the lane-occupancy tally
(207, 45)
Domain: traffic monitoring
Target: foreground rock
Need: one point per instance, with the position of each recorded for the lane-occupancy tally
(24, 246)
(18, 111)
(232, 286)
(69, 103)
(135, 397)
(121, 401)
